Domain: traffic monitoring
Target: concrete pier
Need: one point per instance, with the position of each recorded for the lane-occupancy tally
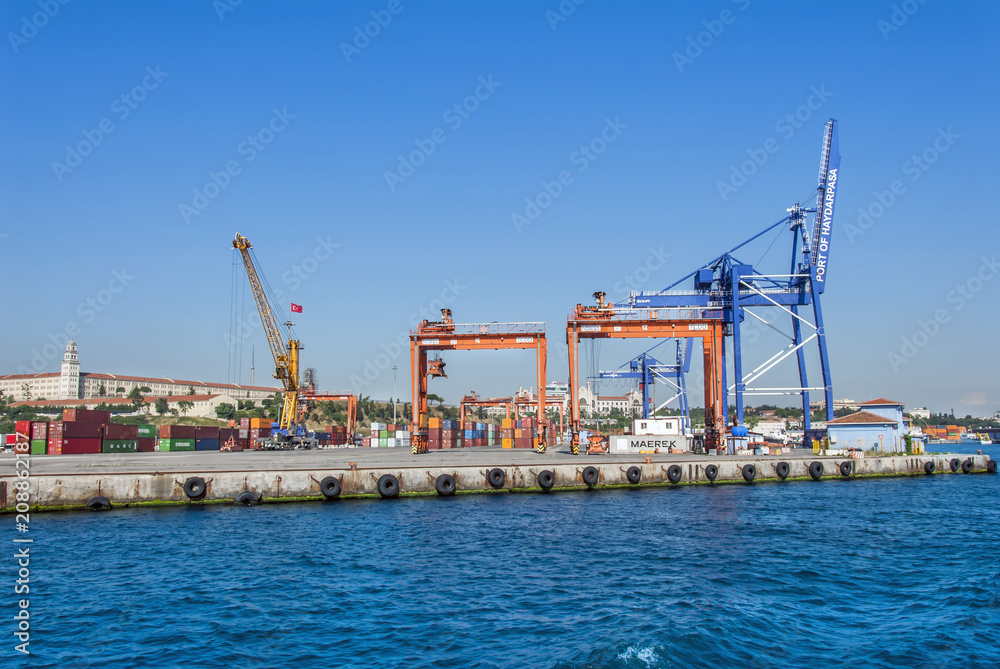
(134, 479)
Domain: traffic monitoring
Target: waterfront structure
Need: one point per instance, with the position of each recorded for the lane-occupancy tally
(878, 426)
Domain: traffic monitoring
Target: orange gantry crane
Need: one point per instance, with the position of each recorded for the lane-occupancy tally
(310, 395)
(605, 321)
(474, 400)
(445, 335)
(551, 403)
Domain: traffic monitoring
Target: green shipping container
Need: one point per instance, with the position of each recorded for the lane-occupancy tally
(119, 446)
(383, 443)
(383, 434)
(175, 445)
(147, 431)
(38, 446)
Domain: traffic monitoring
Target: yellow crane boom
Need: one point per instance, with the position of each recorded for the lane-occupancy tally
(286, 354)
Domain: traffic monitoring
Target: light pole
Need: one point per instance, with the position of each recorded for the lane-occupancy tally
(394, 368)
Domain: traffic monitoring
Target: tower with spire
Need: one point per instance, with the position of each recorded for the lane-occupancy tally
(69, 376)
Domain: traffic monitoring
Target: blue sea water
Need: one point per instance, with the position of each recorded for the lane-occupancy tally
(882, 573)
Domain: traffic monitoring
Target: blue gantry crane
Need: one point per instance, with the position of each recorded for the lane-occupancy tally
(740, 289)
(648, 370)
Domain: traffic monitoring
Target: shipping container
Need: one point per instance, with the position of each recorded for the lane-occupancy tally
(39, 430)
(164, 445)
(206, 444)
(22, 429)
(63, 430)
(86, 416)
(145, 431)
(39, 446)
(206, 433)
(145, 445)
(177, 431)
(76, 446)
(244, 423)
(117, 431)
(119, 446)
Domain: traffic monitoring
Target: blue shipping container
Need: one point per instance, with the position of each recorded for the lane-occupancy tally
(206, 444)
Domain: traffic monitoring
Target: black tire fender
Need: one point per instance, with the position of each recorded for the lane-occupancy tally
(782, 469)
(991, 466)
(194, 487)
(633, 474)
(591, 476)
(955, 464)
(388, 486)
(967, 466)
(711, 472)
(749, 473)
(929, 467)
(674, 473)
(99, 503)
(330, 487)
(816, 470)
(496, 477)
(546, 479)
(845, 468)
(445, 485)
(247, 498)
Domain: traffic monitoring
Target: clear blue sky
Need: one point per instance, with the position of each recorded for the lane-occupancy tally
(339, 121)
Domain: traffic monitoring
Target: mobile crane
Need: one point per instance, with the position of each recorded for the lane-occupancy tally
(285, 351)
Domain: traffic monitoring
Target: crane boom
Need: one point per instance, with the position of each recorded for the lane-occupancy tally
(829, 166)
(285, 353)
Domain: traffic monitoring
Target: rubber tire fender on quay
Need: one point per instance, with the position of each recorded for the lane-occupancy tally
(330, 487)
(591, 476)
(194, 487)
(633, 474)
(546, 479)
(991, 466)
(954, 464)
(711, 472)
(497, 477)
(247, 498)
(445, 485)
(99, 503)
(388, 486)
(782, 469)
(967, 466)
(845, 468)
(816, 470)
(674, 473)
(929, 467)
(749, 473)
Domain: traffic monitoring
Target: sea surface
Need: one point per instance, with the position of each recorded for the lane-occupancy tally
(880, 573)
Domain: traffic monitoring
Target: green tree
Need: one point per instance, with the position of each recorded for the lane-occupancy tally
(136, 396)
(119, 391)
(185, 406)
(162, 406)
(431, 397)
(190, 390)
(225, 411)
(102, 391)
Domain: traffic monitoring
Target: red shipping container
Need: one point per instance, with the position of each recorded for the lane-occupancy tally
(79, 446)
(206, 433)
(22, 429)
(86, 416)
(39, 430)
(145, 445)
(9, 439)
(244, 423)
(120, 431)
(63, 430)
(177, 432)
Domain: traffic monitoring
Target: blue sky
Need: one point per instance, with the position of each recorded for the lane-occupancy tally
(203, 82)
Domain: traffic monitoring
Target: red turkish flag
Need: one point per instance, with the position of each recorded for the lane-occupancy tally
(296, 308)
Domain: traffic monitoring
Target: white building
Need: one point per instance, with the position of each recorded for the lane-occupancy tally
(203, 406)
(70, 384)
(772, 428)
(630, 404)
(920, 412)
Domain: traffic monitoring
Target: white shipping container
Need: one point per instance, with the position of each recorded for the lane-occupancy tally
(391, 442)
